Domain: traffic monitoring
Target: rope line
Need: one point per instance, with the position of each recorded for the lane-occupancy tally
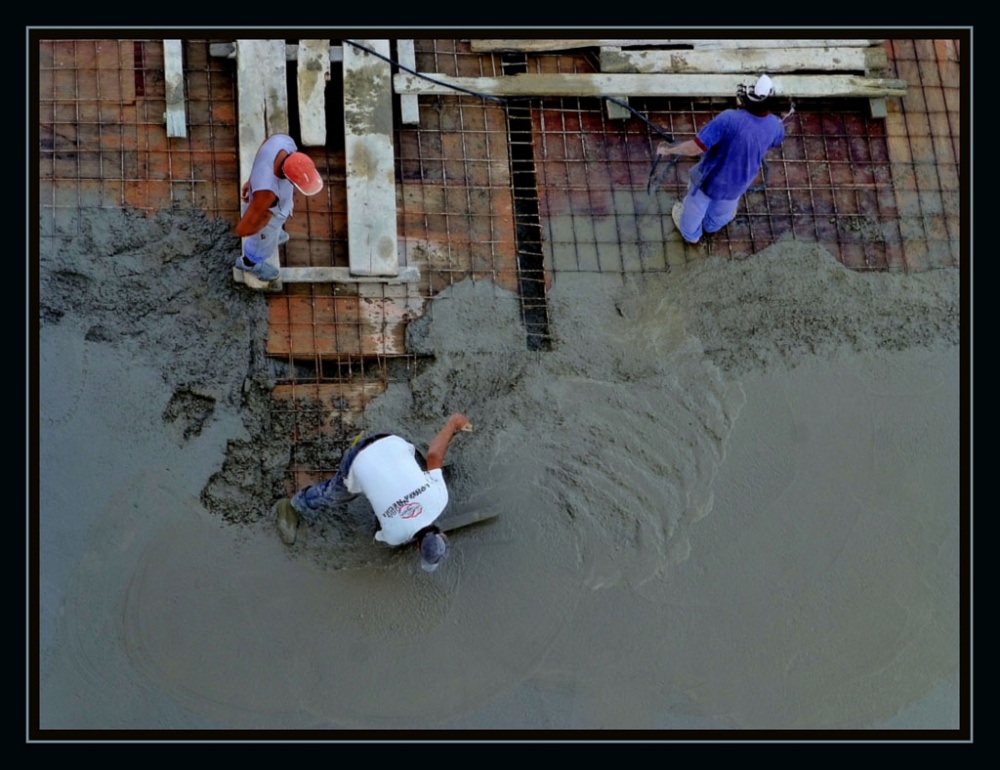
(503, 100)
(656, 129)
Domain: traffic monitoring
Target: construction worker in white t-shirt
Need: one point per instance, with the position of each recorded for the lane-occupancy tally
(406, 498)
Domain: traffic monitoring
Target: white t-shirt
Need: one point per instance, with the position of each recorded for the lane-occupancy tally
(262, 173)
(404, 497)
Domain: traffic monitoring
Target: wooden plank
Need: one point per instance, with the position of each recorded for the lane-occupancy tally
(313, 74)
(263, 97)
(343, 275)
(601, 84)
(262, 93)
(539, 46)
(410, 274)
(408, 108)
(228, 51)
(877, 105)
(250, 98)
(745, 60)
(173, 74)
(370, 166)
(612, 61)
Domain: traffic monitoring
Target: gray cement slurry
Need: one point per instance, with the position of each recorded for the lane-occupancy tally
(729, 500)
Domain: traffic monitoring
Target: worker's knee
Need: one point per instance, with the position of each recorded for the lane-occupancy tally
(719, 214)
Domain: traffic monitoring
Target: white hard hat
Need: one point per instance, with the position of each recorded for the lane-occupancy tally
(762, 89)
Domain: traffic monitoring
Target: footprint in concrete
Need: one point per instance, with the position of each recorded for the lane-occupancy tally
(189, 411)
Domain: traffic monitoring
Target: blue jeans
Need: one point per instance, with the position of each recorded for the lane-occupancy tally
(333, 491)
(703, 214)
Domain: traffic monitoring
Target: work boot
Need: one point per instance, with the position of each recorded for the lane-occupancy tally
(287, 519)
(262, 270)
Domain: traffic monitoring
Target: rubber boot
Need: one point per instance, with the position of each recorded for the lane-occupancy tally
(287, 519)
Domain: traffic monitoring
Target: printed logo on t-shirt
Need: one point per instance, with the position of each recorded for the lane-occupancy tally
(405, 508)
(410, 510)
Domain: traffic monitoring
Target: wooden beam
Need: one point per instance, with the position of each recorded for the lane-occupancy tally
(612, 61)
(344, 275)
(370, 165)
(600, 84)
(173, 73)
(228, 51)
(408, 108)
(877, 106)
(263, 95)
(410, 274)
(745, 60)
(313, 74)
(541, 46)
(262, 92)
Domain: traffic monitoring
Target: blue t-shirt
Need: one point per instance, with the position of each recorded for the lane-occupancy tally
(735, 143)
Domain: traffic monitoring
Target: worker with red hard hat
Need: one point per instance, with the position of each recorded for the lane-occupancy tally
(279, 169)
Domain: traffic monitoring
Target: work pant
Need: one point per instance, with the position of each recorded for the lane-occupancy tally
(703, 214)
(262, 245)
(333, 491)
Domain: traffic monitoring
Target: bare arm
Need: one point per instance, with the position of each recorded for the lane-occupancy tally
(689, 147)
(439, 446)
(257, 214)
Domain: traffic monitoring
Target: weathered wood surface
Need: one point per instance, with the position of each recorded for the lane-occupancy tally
(611, 61)
(313, 72)
(343, 275)
(370, 165)
(173, 74)
(262, 93)
(290, 275)
(604, 84)
(540, 46)
(408, 106)
(745, 60)
(228, 51)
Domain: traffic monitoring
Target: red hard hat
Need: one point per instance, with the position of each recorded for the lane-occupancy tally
(299, 169)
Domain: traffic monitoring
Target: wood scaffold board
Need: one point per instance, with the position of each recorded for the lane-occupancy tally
(173, 73)
(744, 60)
(313, 75)
(859, 60)
(263, 111)
(601, 84)
(228, 51)
(541, 46)
(408, 107)
(368, 151)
